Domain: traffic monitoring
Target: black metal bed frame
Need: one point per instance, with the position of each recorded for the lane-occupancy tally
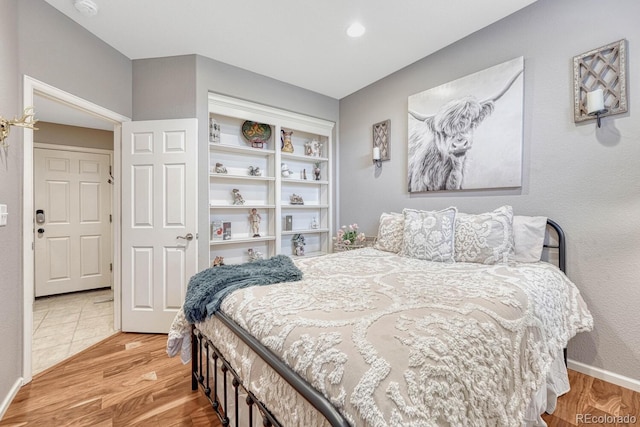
(203, 371)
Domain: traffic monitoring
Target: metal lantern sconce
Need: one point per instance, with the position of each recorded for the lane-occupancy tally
(381, 132)
(26, 121)
(600, 83)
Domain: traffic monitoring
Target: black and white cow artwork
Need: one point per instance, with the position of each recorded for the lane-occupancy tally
(438, 143)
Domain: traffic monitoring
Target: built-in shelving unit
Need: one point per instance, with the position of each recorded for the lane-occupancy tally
(270, 192)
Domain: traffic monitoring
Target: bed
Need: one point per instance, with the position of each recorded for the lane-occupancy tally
(462, 333)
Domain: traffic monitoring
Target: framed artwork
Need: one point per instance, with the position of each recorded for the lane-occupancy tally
(467, 134)
(381, 133)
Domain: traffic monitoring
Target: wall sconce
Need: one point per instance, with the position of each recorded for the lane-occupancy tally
(381, 133)
(26, 121)
(595, 104)
(600, 82)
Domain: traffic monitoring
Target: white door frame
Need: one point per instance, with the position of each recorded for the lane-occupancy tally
(31, 88)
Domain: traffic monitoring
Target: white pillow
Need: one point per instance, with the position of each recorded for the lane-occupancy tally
(485, 238)
(429, 235)
(390, 232)
(528, 234)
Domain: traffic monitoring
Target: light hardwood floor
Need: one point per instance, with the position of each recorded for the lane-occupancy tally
(128, 380)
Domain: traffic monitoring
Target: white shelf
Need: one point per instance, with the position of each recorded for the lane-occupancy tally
(240, 149)
(269, 194)
(307, 231)
(241, 240)
(294, 156)
(287, 206)
(303, 181)
(245, 206)
(241, 177)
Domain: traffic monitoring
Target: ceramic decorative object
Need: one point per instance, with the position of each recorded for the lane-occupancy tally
(287, 146)
(257, 134)
(255, 171)
(237, 197)
(316, 171)
(298, 244)
(220, 168)
(295, 199)
(214, 131)
(254, 222)
(284, 170)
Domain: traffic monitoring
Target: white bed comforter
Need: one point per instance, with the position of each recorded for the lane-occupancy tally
(403, 342)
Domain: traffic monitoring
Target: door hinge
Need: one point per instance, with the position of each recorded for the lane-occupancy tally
(110, 218)
(110, 266)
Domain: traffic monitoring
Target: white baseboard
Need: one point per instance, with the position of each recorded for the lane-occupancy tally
(9, 398)
(601, 374)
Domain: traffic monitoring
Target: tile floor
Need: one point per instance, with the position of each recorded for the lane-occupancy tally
(63, 325)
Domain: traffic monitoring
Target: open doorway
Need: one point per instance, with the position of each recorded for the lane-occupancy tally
(73, 307)
(54, 101)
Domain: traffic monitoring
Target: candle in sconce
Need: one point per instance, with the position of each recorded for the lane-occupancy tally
(595, 101)
(376, 153)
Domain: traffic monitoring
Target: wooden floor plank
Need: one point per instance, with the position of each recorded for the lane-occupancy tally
(128, 380)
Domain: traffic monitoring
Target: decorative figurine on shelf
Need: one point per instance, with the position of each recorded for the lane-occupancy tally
(313, 148)
(314, 223)
(287, 146)
(217, 261)
(284, 169)
(220, 168)
(255, 171)
(254, 255)
(214, 131)
(316, 171)
(254, 221)
(304, 174)
(295, 199)
(237, 197)
(298, 244)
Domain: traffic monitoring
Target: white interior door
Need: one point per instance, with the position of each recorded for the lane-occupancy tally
(159, 220)
(73, 230)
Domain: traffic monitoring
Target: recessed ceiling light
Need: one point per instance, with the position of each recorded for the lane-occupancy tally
(86, 7)
(355, 30)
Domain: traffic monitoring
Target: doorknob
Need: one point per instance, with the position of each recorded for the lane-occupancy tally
(188, 237)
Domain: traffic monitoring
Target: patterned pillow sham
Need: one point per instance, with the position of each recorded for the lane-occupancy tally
(429, 235)
(485, 238)
(390, 232)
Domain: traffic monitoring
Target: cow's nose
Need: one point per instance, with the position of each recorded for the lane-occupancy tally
(461, 144)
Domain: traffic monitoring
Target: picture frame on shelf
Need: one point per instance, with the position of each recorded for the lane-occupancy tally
(226, 231)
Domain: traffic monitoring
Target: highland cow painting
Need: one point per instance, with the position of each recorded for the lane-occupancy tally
(467, 134)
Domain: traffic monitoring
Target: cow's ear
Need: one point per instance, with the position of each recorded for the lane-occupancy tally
(486, 108)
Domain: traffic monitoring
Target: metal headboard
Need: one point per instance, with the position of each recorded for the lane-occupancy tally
(560, 246)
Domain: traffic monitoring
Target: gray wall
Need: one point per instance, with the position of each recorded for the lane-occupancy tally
(75, 136)
(37, 40)
(57, 51)
(10, 183)
(586, 179)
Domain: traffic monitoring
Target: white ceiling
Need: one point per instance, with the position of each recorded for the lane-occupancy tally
(300, 42)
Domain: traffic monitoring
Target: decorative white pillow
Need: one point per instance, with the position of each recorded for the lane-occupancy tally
(528, 236)
(428, 234)
(390, 232)
(485, 238)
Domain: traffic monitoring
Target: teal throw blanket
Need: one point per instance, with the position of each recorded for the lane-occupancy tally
(207, 288)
